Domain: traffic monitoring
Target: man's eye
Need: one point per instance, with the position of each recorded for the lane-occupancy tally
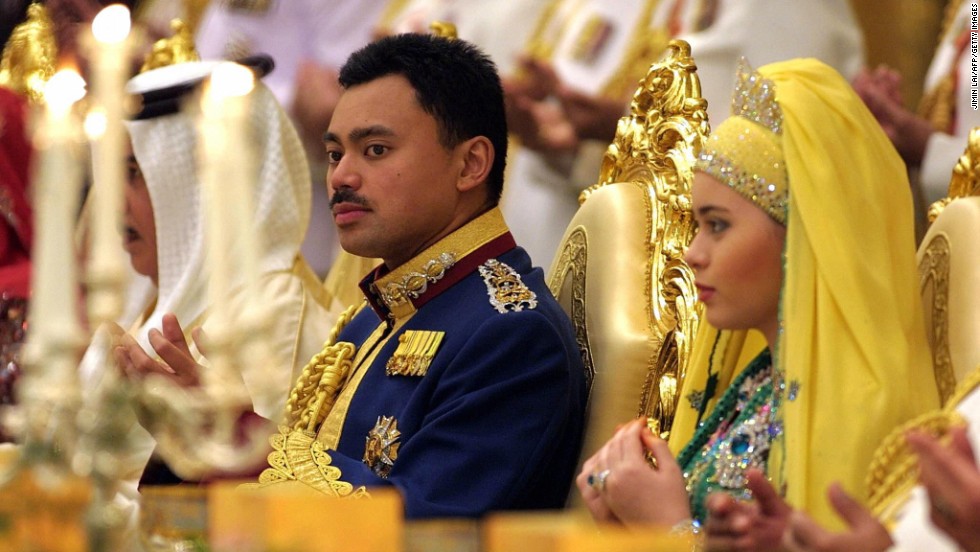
(376, 150)
(333, 157)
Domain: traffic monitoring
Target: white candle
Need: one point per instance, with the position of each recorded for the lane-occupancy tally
(109, 48)
(227, 175)
(55, 334)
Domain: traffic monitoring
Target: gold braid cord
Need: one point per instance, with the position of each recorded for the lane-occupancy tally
(656, 146)
(894, 471)
(297, 456)
(965, 181)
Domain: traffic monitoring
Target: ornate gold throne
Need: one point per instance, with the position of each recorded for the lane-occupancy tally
(619, 272)
(949, 271)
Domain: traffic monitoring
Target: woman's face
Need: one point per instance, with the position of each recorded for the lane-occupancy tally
(737, 258)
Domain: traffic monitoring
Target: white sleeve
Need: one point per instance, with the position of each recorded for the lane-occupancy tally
(938, 160)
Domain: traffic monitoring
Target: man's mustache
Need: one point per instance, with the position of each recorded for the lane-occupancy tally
(346, 195)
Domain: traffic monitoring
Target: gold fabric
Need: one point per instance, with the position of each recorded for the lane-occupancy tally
(853, 330)
(852, 357)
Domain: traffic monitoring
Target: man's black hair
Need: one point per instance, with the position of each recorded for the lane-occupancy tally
(454, 82)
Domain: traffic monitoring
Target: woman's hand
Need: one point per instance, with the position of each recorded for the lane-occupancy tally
(864, 533)
(619, 484)
(743, 526)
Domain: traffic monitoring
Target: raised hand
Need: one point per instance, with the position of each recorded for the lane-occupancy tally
(742, 526)
(175, 362)
(864, 533)
(951, 477)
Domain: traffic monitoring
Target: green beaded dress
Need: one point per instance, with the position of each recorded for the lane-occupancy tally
(735, 437)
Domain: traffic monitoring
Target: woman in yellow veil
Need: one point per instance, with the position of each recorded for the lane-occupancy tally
(805, 234)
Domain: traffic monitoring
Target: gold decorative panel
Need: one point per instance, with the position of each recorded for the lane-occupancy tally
(620, 271)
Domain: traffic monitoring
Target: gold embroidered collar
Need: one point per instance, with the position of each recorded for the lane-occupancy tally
(402, 291)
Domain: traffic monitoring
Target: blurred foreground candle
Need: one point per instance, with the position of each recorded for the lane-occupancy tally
(109, 48)
(227, 173)
(55, 335)
(227, 166)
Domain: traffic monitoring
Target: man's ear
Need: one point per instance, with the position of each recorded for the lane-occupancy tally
(477, 156)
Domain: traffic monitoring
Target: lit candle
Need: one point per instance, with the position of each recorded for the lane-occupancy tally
(227, 175)
(55, 335)
(225, 171)
(109, 48)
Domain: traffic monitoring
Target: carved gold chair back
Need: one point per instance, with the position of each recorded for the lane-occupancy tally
(949, 272)
(619, 271)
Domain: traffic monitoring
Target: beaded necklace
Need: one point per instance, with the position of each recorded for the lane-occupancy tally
(735, 437)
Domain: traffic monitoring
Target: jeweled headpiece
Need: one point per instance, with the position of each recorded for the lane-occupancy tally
(745, 151)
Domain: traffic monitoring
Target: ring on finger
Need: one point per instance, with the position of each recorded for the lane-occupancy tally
(597, 480)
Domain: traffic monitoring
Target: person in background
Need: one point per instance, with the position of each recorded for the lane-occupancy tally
(930, 139)
(16, 236)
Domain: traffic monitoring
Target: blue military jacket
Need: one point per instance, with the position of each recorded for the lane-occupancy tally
(467, 390)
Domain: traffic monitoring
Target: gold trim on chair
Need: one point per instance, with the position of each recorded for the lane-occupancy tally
(934, 275)
(620, 273)
(965, 181)
(573, 259)
(658, 145)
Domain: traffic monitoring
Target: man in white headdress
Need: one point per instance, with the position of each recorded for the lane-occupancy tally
(164, 235)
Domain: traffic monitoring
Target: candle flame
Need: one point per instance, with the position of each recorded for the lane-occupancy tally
(231, 79)
(95, 124)
(64, 89)
(112, 24)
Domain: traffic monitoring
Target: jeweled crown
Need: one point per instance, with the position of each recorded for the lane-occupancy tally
(745, 151)
(755, 98)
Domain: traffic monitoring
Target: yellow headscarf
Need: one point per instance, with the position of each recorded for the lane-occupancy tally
(852, 356)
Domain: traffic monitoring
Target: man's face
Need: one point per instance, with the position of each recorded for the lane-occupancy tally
(393, 185)
(140, 234)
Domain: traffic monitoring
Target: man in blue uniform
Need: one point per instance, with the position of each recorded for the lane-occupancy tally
(465, 388)
(459, 380)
